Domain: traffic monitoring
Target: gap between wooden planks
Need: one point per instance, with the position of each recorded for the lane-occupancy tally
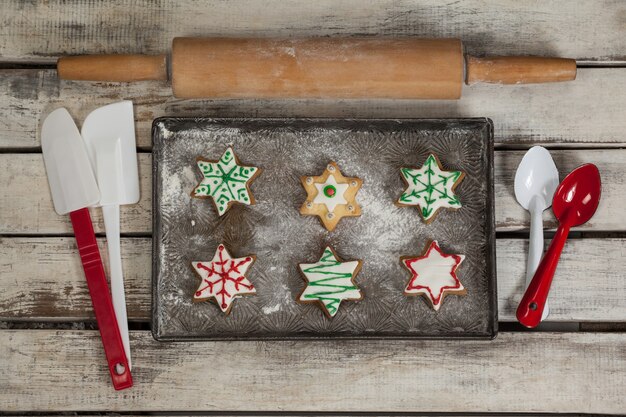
(589, 284)
(586, 112)
(26, 206)
(47, 370)
(38, 32)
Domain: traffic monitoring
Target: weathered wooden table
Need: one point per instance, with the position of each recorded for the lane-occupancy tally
(51, 358)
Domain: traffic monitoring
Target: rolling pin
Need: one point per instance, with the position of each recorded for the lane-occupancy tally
(405, 68)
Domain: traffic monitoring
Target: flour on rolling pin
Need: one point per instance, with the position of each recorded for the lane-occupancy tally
(403, 68)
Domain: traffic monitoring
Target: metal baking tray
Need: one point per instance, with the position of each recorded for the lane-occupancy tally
(188, 229)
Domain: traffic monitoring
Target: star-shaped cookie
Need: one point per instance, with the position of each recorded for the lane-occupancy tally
(331, 196)
(330, 281)
(430, 188)
(226, 181)
(433, 274)
(223, 278)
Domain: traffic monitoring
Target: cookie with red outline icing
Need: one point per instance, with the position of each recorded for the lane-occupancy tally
(433, 274)
(223, 279)
(331, 196)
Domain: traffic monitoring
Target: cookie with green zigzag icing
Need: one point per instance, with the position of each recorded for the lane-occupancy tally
(225, 181)
(330, 281)
(430, 188)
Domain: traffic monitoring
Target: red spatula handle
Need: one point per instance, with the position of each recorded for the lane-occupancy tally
(533, 302)
(101, 299)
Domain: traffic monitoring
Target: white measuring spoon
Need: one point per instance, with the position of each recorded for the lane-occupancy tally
(536, 180)
(109, 134)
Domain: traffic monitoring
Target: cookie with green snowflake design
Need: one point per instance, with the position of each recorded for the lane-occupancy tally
(225, 181)
(430, 188)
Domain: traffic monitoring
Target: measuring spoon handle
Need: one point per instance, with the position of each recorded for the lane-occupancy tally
(533, 302)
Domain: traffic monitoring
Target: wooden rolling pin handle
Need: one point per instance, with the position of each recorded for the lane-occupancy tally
(519, 70)
(112, 67)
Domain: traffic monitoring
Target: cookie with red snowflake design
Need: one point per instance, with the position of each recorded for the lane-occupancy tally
(433, 274)
(223, 279)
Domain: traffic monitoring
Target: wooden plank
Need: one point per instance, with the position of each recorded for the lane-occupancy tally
(529, 372)
(29, 209)
(26, 206)
(42, 279)
(589, 284)
(41, 31)
(587, 111)
(510, 216)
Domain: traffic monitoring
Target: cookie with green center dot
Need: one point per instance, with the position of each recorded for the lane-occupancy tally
(331, 196)
(225, 181)
(430, 188)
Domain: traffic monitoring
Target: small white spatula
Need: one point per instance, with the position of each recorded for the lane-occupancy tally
(109, 135)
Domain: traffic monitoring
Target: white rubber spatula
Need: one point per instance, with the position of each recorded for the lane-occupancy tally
(109, 134)
(73, 188)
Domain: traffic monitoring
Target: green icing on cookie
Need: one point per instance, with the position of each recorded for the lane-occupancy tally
(330, 281)
(225, 181)
(430, 188)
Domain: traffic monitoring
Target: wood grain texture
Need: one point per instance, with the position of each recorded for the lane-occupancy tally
(29, 209)
(42, 279)
(583, 112)
(407, 68)
(519, 70)
(114, 67)
(54, 370)
(531, 372)
(41, 31)
(510, 216)
(583, 290)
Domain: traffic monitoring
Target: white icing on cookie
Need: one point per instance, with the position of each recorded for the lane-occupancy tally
(330, 281)
(223, 278)
(330, 193)
(225, 181)
(331, 196)
(430, 188)
(434, 274)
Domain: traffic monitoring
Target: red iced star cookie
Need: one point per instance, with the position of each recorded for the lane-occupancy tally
(433, 274)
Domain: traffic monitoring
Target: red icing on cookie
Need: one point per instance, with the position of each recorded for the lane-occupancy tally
(434, 274)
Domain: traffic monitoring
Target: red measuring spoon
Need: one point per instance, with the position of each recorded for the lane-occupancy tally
(575, 201)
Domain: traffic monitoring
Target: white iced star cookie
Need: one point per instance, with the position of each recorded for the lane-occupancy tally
(330, 193)
(430, 188)
(225, 181)
(330, 281)
(331, 196)
(223, 279)
(433, 274)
